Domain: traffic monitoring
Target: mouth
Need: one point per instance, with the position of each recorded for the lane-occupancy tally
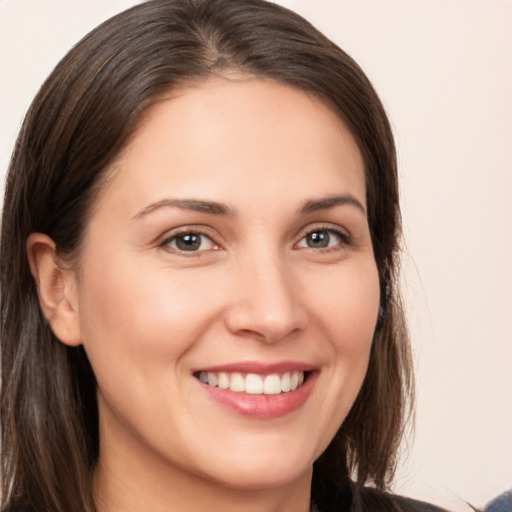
(259, 391)
(254, 383)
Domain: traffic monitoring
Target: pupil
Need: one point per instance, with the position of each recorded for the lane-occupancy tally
(318, 239)
(188, 242)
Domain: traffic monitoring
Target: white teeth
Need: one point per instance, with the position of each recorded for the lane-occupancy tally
(237, 383)
(212, 379)
(223, 380)
(285, 383)
(294, 381)
(254, 384)
(272, 384)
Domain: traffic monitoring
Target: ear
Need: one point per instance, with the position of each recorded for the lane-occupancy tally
(56, 289)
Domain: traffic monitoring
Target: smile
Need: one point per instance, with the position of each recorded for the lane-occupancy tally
(262, 391)
(253, 383)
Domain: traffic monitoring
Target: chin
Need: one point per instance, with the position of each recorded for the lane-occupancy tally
(273, 476)
(264, 469)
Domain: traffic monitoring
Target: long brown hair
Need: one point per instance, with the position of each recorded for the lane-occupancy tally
(78, 123)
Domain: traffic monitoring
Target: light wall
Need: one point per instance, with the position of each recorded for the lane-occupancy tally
(444, 72)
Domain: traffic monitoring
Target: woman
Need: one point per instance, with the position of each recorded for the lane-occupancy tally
(199, 266)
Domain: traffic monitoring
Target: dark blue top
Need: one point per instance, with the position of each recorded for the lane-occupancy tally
(503, 503)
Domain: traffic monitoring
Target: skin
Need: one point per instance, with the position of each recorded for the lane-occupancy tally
(149, 314)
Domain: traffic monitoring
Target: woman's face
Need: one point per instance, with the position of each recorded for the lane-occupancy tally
(227, 260)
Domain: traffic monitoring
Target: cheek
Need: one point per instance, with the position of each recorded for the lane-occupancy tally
(356, 326)
(138, 315)
(140, 323)
(347, 304)
(347, 310)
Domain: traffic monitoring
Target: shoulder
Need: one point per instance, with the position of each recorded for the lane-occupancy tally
(350, 497)
(408, 504)
(369, 499)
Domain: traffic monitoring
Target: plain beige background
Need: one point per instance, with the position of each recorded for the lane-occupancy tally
(444, 72)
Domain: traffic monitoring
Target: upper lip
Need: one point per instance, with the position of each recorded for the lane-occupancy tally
(258, 367)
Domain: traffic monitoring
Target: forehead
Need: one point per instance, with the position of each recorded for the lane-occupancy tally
(224, 134)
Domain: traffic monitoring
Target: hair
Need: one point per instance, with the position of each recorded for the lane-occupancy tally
(80, 120)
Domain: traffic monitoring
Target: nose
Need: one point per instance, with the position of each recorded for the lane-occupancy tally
(265, 301)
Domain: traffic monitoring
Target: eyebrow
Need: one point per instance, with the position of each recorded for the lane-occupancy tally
(195, 205)
(215, 208)
(330, 202)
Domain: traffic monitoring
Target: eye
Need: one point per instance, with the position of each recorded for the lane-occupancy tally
(323, 239)
(190, 242)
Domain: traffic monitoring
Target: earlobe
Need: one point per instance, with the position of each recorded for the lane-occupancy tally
(56, 289)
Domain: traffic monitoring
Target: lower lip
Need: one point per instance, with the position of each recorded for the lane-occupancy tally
(263, 406)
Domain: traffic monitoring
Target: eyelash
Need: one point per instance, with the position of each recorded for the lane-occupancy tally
(345, 240)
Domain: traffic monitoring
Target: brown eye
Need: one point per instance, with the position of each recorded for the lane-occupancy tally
(322, 239)
(318, 239)
(190, 242)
